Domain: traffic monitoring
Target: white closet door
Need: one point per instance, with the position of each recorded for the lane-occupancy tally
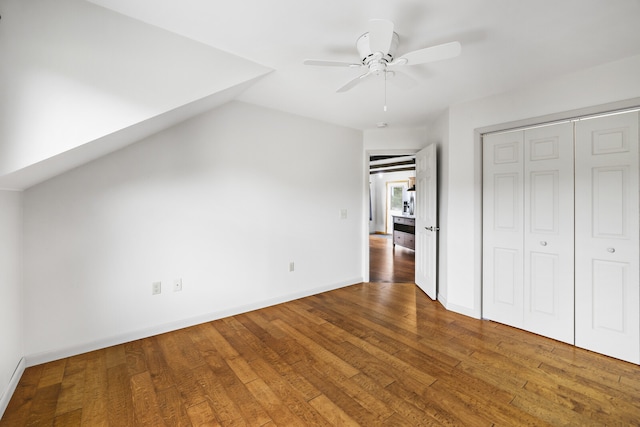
(502, 228)
(548, 231)
(607, 282)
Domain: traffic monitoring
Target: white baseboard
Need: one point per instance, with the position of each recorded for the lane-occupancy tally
(11, 387)
(458, 308)
(48, 356)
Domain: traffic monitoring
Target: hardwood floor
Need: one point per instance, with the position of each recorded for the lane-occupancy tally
(369, 354)
(389, 264)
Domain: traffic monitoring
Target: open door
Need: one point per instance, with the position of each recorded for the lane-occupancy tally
(427, 220)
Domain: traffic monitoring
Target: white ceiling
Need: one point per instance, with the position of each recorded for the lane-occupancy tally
(82, 78)
(505, 44)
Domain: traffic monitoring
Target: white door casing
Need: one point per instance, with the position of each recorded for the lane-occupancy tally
(548, 232)
(426, 213)
(607, 236)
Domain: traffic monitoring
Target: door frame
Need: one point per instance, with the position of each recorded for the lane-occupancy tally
(366, 199)
(545, 120)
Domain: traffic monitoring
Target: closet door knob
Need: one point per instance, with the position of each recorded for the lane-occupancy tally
(543, 243)
(611, 250)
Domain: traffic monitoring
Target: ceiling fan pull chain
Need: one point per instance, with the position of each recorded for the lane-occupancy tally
(385, 90)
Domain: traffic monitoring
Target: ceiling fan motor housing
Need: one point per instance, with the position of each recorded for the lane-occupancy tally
(367, 56)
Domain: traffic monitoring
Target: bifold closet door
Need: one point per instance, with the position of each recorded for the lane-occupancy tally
(607, 236)
(548, 232)
(502, 222)
(528, 230)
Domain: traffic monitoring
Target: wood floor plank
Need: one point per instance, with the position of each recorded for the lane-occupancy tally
(156, 364)
(389, 263)
(277, 410)
(96, 391)
(223, 405)
(135, 357)
(52, 373)
(20, 404)
(288, 394)
(282, 354)
(145, 403)
(411, 414)
(68, 419)
(71, 391)
(43, 408)
(202, 415)
(368, 354)
(171, 407)
(332, 413)
(119, 398)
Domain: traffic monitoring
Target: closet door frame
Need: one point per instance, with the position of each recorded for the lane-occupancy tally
(616, 107)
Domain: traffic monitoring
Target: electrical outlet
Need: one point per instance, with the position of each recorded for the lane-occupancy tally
(156, 288)
(343, 214)
(292, 266)
(177, 285)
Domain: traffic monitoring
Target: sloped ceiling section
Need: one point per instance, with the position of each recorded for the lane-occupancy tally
(79, 81)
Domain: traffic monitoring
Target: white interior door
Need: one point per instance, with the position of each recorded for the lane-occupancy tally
(503, 237)
(548, 232)
(607, 236)
(426, 213)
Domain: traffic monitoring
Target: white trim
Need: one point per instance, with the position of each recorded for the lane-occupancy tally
(595, 111)
(571, 120)
(466, 311)
(48, 356)
(11, 387)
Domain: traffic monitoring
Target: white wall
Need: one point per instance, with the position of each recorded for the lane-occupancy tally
(392, 140)
(11, 332)
(224, 201)
(73, 72)
(608, 83)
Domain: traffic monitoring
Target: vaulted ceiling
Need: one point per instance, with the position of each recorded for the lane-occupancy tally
(82, 78)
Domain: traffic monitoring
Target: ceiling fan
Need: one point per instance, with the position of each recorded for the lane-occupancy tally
(377, 52)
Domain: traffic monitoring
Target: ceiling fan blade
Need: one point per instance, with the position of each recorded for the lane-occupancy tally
(330, 63)
(353, 82)
(431, 54)
(380, 35)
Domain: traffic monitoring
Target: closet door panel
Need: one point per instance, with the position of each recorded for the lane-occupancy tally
(502, 225)
(548, 232)
(607, 236)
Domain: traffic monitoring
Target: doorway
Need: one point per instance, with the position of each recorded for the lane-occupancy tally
(388, 184)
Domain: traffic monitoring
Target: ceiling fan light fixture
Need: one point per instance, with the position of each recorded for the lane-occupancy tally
(366, 55)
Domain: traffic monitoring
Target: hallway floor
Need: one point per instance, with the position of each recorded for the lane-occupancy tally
(389, 264)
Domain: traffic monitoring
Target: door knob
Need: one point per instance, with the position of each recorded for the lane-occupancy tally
(543, 243)
(611, 250)
(432, 228)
